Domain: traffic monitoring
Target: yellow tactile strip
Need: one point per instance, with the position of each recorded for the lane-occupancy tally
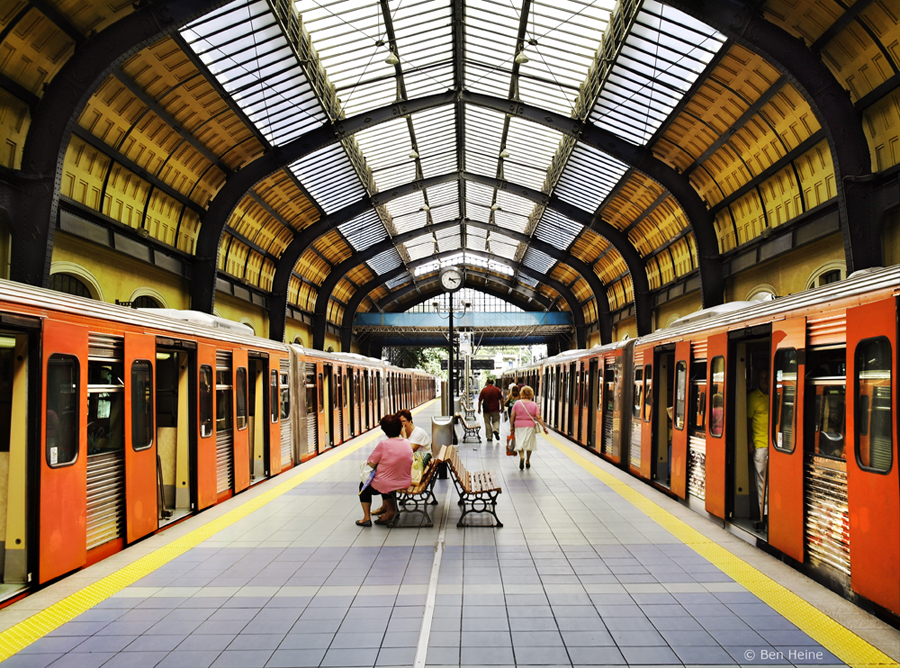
(840, 641)
(35, 627)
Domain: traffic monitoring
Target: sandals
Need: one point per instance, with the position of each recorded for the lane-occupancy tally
(363, 523)
(384, 522)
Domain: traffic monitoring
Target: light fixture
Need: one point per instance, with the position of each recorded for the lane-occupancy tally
(425, 208)
(495, 207)
(521, 57)
(504, 153)
(392, 59)
(413, 155)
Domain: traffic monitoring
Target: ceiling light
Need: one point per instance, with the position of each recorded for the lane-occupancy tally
(413, 155)
(504, 153)
(521, 58)
(495, 207)
(392, 59)
(425, 208)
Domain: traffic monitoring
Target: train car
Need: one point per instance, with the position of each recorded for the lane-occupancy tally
(675, 408)
(115, 423)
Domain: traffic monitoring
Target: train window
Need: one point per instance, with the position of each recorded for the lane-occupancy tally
(141, 404)
(610, 379)
(874, 435)
(321, 393)
(785, 395)
(240, 397)
(106, 406)
(63, 381)
(717, 398)
(638, 391)
(273, 395)
(681, 379)
(828, 421)
(648, 393)
(285, 397)
(224, 411)
(206, 399)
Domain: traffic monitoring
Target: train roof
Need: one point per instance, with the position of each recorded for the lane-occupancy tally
(856, 285)
(51, 301)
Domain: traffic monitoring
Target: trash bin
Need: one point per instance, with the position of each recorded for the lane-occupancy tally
(441, 434)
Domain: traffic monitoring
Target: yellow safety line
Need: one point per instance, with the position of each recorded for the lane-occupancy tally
(840, 641)
(17, 637)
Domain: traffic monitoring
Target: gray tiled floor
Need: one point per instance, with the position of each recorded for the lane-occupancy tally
(576, 577)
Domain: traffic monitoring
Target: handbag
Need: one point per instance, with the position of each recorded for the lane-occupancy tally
(537, 427)
(419, 464)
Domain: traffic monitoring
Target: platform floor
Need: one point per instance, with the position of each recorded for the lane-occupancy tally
(590, 568)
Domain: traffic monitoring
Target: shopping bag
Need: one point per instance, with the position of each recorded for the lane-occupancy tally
(366, 475)
(511, 446)
(504, 428)
(419, 464)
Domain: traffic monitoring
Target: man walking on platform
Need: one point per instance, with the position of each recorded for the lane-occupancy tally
(490, 399)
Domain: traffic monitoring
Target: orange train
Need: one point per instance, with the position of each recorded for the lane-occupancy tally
(116, 422)
(672, 409)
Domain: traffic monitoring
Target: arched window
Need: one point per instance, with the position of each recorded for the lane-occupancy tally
(145, 301)
(831, 272)
(70, 285)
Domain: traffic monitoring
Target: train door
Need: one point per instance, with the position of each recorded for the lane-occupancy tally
(637, 405)
(698, 404)
(63, 480)
(662, 414)
(358, 400)
(716, 396)
(874, 483)
(224, 426)
(274, 417)
(825, 453)
(242, 460)
(18, 368)
(352, 400)
(571, 399)
(367, 403)
(342, 431)
(175, 443)
(680, 419)
(206, 445)
(785, 457)
(143, 484)
(284, 407)
(106, 485)
(609, 411)
(257, 424)
(326, 406)
(594, 400)
(312, 413)
(747, 439)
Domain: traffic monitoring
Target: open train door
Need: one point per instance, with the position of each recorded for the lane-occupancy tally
(274, 414)
(241, 434)
(873, 482)
(785, 473)
(63, 486)
(716, 424)
(678, 481)
(206, 426)
(143, 474)
(646, 413)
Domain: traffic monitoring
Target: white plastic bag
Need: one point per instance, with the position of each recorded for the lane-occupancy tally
(504, 427)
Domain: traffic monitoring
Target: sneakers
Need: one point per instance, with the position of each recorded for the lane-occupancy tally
(497, 435)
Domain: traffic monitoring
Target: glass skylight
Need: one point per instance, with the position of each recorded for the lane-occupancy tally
(330, 178)
(245, 50)
(385, 261)
(589, 177)
(364, 231)
(661, 58)
(387, 147)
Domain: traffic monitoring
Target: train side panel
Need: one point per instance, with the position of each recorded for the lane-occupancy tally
(717, 424)
(141, 492)
(872, 463)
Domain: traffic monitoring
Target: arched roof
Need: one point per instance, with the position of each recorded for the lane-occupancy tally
(594, 153)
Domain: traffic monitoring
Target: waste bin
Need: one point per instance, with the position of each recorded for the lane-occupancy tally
(441, 434)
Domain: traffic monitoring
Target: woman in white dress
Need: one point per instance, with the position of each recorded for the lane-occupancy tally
(526, 417)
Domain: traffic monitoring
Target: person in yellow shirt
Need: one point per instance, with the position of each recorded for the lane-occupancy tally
(758, 423)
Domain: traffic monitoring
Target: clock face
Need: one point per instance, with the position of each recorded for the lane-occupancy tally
(451, 279)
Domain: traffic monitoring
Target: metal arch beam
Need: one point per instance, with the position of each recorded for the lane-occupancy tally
(702, 223)
(324, 294)
(518, 289)
(57, 113)
(742, 22)
(641, 287)
(364, 291)
(203, 293)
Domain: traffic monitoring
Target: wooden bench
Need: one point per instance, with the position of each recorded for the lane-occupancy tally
(471, 427)
(468, 409)
(478, 491)
(415, 499)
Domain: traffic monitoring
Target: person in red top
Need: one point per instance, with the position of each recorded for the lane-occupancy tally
(490, 399)
(392, 461)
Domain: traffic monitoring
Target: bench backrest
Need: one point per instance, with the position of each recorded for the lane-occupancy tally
(459, 470)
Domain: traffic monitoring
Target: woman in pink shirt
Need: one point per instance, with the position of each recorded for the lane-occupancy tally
(392, 461)
(526, 416)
